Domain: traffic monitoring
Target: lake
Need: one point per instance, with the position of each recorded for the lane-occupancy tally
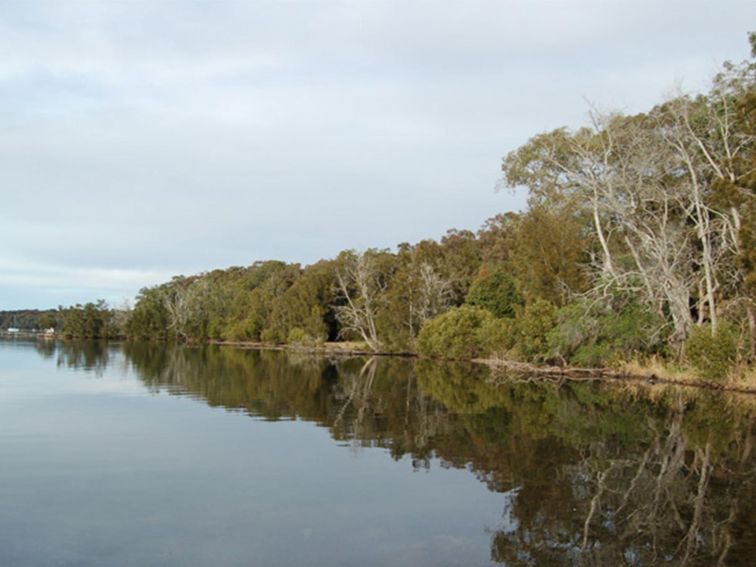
(147, 454)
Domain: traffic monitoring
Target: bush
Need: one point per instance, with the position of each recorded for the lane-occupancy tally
(238, 331)
(298, 336)
(273, 335)
(713, 355)
(533, 328)
(463, 333)
(600, 336)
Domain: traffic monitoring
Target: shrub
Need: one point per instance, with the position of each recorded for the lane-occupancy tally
(599, 336)
(575, 327)
(462, 333)
(298, 336)
(273, 335)
(239, 331)
(712, 354)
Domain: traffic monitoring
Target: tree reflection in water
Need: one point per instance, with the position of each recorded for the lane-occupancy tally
(91, 356)
(595, 474)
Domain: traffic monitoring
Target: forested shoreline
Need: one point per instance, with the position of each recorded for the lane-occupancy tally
(638, 243)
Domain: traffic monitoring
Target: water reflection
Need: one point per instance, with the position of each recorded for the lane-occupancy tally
(91, 356)
(596, 475)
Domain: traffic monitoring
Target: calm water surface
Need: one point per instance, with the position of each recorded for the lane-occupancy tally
(153, 455)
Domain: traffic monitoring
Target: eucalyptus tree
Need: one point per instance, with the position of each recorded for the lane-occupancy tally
(461, 259)
(713, 137)
(185, 302)
(361, 283)
(418, 291)
(645, 184)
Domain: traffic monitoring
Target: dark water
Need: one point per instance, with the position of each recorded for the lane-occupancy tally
(151, 455)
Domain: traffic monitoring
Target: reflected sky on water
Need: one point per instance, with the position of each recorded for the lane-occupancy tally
(136, 454)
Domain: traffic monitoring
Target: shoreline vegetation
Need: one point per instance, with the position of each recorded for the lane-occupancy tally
(635, 257)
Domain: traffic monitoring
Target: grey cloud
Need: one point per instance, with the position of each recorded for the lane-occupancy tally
(143, 139)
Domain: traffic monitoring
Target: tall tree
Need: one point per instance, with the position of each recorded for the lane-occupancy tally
(361, 280)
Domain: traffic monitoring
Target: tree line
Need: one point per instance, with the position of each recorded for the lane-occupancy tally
(638, 240)
(26, 319)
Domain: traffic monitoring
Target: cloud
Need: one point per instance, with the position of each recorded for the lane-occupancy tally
(55, 283)
(174, 137)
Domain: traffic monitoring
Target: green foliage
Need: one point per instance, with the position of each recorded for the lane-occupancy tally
(47, 320)
(28, 319)
(497, 238)
(306, 305)
(242, 330)
(257, 306)
(419, 289)
(89, 321)
(494, 289)
(712, 354)
(550, 252)
(461, 259)
(298, 336)
(533, 328)
(462, 333)
(587, 335)
(626, 194)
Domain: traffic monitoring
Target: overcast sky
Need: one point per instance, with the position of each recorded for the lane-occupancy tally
(145, 139)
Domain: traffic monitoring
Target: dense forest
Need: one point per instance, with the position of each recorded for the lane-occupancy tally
(639, 240)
